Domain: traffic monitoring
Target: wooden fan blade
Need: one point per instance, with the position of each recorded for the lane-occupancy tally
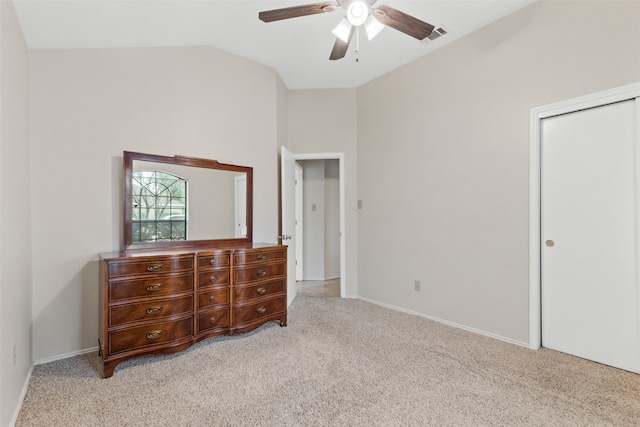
(403, 22)
(296, 11)
(340, 47)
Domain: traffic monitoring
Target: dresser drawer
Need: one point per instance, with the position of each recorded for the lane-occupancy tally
(209, 278)
(150, 266)
(213, 319)
(247, 293)
(213, 297)
(263, 256)
(260, 272)
(125, 313)
(258, 310)
(149, 335)
(158, 286)
(216, 260)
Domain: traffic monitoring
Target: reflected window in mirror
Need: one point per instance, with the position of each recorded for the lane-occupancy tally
(159, 207)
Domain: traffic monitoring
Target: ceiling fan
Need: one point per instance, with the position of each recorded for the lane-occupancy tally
(359, 12)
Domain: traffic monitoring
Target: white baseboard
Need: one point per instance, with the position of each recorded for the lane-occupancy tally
(23, 394)
(66, 355)
(446, 322)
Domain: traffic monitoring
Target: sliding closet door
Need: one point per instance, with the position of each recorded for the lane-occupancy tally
(590, 294)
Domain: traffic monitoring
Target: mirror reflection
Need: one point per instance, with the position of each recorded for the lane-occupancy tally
(179, 199)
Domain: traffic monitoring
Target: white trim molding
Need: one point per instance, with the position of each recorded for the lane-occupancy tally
(618, 94)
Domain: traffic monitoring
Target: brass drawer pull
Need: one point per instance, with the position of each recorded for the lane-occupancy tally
(261, 291)
(152, 310)
(213, 261)
(155, 334)
(212, 298)
(261, 257)
(261, 310)
(261, 273)
(213, 279)
(212, 320)
(156, 287)
(155, 267)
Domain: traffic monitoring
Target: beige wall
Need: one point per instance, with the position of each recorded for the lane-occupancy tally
(87, 106)
(443, 158)
(15, 208)
(324, 121)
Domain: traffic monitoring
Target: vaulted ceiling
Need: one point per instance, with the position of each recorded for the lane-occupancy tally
(297, 48)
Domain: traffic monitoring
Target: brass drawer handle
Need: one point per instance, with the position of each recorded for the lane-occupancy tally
(155, 334)
(213, 279)
(212, 298)
(152, 310)
(261, 310)
(212, 320)
(261, 291)
(213, 261)
(156, 287)
(261, 257)
(261, 273)
(155, 267)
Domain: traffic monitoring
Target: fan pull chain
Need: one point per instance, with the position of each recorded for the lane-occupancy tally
(357, 44)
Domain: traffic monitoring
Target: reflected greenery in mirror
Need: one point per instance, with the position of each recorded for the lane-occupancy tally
(183, 201)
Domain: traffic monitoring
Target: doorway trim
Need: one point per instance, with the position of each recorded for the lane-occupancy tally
(537, 114)
(299, 195)
(343, 236)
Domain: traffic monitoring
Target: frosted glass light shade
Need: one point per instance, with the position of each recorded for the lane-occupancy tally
(342, 30)
(373, 27)
(357, 13)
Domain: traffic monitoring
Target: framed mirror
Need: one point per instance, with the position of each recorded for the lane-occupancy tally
(185, 202)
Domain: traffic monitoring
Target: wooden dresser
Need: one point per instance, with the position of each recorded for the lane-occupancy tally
(164, 301)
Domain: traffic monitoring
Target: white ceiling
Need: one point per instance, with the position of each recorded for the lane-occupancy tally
(297, 48)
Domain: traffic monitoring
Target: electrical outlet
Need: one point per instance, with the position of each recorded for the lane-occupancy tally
(416, 285)
(14, 355)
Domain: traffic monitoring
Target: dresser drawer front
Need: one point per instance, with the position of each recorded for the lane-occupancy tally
(217, 260)
(125, 313)
(213, 297)
(126, 289)
(258, 310)
(213, 278)
(149, 335)
(213, 319)
(150, 266)
(248, 293)
(264, 256)
(261, 272)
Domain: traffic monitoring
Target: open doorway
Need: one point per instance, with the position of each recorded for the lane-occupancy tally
(288, 226)
(318, 232)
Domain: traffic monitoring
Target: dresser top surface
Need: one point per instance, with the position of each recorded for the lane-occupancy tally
(138, 253)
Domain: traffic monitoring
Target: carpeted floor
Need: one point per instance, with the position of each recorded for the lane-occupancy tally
(339, 362)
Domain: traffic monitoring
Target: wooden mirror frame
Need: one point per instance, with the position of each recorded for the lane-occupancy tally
(127, 197)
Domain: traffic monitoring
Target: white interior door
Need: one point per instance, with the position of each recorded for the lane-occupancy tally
(589, 231)
(288, 193)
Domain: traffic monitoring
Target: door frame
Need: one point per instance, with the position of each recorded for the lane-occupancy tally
(537, 114)
(343, 236)
(299, 195)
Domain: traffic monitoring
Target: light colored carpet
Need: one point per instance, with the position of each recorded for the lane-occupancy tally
(338, 363)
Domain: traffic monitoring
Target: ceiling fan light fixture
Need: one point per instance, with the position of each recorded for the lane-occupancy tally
(357, 13)
(373, 27)
(342, 30)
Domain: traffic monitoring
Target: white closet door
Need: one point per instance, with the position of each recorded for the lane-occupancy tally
(590, 294)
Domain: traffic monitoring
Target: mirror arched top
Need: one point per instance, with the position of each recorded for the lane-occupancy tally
(176, 202)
